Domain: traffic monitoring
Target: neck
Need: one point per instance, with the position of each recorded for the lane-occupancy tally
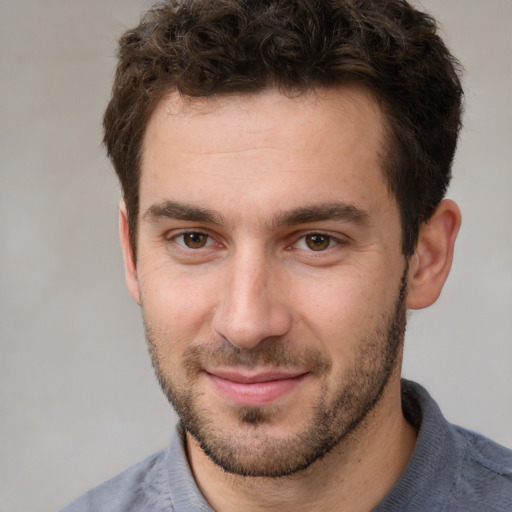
(355, 476)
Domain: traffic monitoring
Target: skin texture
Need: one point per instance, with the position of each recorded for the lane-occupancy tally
(269, 251)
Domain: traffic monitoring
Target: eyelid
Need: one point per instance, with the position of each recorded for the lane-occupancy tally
(337, 238)
(174, 235)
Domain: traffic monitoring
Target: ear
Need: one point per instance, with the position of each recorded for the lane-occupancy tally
(130, 268)
(432, 259)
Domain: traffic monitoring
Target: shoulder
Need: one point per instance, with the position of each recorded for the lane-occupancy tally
(163, 482)
(452, 469)
(484, 478)
(140, 487)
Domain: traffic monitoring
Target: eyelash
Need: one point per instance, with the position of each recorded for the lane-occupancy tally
(210, 241)
(183, 246)
(303, 240)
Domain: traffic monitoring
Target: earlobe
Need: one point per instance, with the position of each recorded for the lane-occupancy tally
(130, 268)
(430, 265)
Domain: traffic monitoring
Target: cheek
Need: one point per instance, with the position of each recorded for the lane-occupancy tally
(343, 311)
(177, 305)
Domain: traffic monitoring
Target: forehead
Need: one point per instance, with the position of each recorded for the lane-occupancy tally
(267, 149)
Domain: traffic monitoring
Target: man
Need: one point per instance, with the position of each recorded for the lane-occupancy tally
(283, 166)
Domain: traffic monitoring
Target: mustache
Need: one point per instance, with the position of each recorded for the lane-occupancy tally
(269, 353)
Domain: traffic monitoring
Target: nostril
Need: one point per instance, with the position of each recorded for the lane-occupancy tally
(248, 327)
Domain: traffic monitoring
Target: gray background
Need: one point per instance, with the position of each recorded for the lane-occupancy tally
(78, 400)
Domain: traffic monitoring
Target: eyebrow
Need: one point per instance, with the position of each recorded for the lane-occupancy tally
(340, 211)
(182, 211)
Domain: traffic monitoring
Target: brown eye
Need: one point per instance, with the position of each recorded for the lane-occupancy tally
(195, 240)
(317, 242)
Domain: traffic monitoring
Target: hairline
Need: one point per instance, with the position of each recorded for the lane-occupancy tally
(388, 142)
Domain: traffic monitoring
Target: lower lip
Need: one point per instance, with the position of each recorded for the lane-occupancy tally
(256, 393)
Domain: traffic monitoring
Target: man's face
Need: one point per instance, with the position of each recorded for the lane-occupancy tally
(269, 271)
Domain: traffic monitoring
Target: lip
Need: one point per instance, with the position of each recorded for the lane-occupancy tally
(254, 389)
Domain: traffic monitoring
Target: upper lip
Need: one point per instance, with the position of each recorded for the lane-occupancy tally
(254, 377)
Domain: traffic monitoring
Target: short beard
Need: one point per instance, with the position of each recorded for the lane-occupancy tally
(252, 452)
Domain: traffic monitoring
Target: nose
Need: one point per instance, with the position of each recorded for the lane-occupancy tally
(252, 305)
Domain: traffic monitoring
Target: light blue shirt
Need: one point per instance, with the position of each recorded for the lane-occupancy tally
(451, 470)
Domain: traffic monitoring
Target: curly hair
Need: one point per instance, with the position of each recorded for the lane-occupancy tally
(205, 47)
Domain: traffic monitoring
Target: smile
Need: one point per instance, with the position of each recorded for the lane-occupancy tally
(258, 389)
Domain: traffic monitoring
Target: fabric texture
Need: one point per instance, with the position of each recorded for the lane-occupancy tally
(451, 470)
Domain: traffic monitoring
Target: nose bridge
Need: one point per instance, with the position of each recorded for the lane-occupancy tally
(251, 306)
(249, 275)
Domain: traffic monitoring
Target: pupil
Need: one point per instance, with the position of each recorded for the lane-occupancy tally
(195, 240)
(317, 242)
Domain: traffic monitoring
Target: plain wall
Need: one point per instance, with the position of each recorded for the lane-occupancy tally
(78, 399)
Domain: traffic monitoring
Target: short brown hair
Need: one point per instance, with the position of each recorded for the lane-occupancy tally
(206, 47)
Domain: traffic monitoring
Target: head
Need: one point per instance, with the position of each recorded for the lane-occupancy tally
(283, 165)
(220, 47)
